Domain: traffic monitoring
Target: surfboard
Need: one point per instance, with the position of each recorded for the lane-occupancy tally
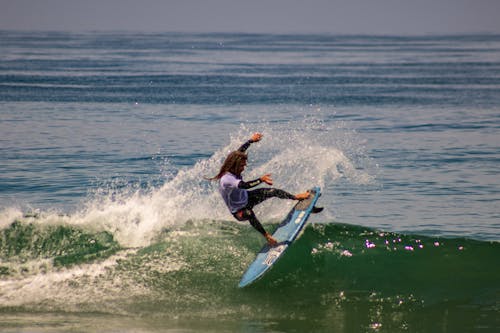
(285, 234)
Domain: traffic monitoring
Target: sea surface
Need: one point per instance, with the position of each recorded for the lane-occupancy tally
(107, 221)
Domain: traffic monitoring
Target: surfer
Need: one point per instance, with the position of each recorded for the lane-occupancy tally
(236, 194)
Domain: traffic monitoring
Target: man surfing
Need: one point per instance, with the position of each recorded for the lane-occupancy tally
(236, 194)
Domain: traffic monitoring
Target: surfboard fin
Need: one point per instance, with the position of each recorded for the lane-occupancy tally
(316, 210)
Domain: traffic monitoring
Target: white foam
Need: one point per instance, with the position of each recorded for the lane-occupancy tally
(57, 287)
(298, 157)
(8, 215)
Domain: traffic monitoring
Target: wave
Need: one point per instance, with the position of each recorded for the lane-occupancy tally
(202, 262)
(174, 251)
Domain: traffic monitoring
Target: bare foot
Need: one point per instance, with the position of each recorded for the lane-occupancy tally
(270, 240)
(302, 196)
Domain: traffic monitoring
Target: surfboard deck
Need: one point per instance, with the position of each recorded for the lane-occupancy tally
(285, 234)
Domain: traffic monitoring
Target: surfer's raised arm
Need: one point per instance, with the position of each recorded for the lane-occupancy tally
(256, 137)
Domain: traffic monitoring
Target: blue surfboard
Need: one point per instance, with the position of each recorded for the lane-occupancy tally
(285, 234)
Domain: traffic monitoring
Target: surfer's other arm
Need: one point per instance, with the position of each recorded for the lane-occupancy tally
(252, 183)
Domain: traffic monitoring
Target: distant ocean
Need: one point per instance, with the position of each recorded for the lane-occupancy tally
(108, 224)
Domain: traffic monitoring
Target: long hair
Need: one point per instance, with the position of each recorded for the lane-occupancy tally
(232, 164)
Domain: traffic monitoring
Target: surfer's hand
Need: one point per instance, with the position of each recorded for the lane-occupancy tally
(267, 179)
(256, 137)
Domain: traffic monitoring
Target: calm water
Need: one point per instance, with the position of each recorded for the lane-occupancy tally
(107, 222)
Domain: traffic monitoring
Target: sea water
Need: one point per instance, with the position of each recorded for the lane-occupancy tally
(107, 221)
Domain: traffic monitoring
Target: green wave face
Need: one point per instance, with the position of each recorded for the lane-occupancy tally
(335, 276)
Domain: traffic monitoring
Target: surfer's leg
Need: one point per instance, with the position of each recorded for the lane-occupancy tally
(257, 225)
(257, 196)
(248, 214)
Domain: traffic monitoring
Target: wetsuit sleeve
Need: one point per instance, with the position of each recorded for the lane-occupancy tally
(249, 184)
(245, 146)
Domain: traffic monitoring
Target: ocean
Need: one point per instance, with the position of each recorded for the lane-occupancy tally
(108, 224)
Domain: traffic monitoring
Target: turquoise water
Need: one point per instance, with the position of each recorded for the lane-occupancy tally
(107, 223)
